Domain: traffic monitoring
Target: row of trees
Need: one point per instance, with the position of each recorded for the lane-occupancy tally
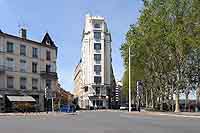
(165, 52)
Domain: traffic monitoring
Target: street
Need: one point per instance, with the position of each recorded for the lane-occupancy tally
(98, 122)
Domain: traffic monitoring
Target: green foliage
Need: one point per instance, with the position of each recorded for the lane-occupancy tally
(161, 44)
(24, 107)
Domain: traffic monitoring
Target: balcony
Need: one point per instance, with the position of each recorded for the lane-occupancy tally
(48, 75)
(2, 69)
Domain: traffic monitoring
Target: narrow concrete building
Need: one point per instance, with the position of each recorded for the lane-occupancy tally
(93, 75)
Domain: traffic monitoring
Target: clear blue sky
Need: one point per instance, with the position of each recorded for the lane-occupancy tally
(64, 20)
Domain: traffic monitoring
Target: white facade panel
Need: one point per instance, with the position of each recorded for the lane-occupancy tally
(95, 31)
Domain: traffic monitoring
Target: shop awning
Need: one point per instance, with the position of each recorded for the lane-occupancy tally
(21, 98)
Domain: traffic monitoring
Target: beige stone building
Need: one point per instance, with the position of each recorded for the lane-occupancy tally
(26, 68)
(77, 80)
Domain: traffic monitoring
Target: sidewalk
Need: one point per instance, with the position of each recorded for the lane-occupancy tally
(174, 114)
(36, 114)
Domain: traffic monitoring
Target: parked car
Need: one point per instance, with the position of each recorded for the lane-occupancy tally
(126, 107)
(69, 108)
(123, 108)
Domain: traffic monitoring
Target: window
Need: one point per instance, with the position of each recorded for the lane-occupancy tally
(100, 103)
(10, 47)
(97, 79)
(48, 55)
(10, 64)
(34, 52)
(10, 82)
(97, 69)
(97, 25)
(22, 83)
(48, 42)
(97, 58)
(97, 103)
(34, 67)
(22, 65)
(97, 46)
(94, 103)
(48, 68)
(34, 84)
(97, 36)
(48, 84)
(23, 50)
(97, 90)
(86, 89)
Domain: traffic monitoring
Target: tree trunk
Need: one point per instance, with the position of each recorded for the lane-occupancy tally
(152, 99)
(197, 102)
(133, 99)
(161, 103)
(168, 102)
(186, 102)
(172, 102)
(146, 99)
(177, 109)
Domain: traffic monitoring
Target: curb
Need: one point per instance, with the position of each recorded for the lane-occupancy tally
(38, 114)
(167, 114)
(180, 115)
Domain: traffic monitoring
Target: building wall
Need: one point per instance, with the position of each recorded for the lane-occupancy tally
(16, 73)
(87, 94)
(77, 80)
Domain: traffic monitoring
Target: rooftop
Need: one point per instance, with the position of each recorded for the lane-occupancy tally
(44, 41)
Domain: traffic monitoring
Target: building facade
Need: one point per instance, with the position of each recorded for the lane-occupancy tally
(116, 95)
(63, 97)
(93, 75)
(26, 68)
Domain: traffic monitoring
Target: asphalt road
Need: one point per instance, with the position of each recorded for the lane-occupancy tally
(99, 122)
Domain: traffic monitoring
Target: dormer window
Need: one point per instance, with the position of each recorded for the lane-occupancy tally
(47, 42)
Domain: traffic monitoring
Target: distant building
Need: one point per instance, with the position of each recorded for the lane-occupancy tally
(116, 98)
(93, 75)
(121, 95)
(26, 68)
(63, 97)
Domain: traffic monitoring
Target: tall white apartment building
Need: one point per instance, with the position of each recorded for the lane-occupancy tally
(93, 75)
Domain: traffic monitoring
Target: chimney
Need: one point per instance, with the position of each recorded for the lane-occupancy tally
(23, 33)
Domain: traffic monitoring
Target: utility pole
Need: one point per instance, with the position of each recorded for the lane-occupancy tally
(129, 109)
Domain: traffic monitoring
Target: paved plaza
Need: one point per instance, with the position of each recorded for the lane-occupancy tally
(98, 122)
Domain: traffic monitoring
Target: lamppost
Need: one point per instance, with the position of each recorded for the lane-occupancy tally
(107, 99)
(52, 104)
(129, 90)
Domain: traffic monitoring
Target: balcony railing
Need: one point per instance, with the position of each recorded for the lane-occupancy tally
(47, 75)
(4, 68)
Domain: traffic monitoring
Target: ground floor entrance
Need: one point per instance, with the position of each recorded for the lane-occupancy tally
(94, 103)
(15, 102)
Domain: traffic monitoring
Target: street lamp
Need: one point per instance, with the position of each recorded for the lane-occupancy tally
(129, 90)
